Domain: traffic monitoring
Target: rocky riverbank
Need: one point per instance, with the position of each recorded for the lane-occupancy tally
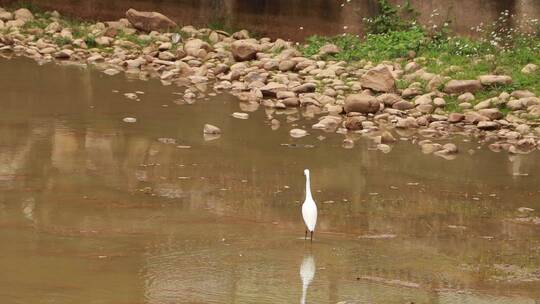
(359, 98)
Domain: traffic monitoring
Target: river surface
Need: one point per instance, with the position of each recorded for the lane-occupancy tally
(96, 210)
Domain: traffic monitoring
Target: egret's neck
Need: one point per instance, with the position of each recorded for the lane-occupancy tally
(308, 188)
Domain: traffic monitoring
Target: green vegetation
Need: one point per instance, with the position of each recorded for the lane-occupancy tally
(394, 33)
(134, 38)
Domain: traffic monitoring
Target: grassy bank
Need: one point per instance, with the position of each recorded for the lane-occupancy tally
(394, 35)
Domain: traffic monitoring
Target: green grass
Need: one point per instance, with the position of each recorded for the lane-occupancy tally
(375, 47)
(134, 38)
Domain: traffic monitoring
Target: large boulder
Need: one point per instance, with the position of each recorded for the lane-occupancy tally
(243, 50)
(361, 103)
(462, 86)
(23, 14)
(149, 21)
(379, 79)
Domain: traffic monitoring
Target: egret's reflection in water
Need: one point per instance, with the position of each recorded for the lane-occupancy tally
(307, 273)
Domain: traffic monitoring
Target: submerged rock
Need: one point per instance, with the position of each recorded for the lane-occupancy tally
(211, 129)
(297, 133)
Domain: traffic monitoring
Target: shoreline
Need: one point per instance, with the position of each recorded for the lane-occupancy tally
(384, 100)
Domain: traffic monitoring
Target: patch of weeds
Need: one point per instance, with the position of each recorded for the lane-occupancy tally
(61, 41)
(25, 4)
(134, 38)
(452, 104)
(375, 47)
(90, 41)
(36, 23)
(391, 18)
(221, 24)
(402, 83)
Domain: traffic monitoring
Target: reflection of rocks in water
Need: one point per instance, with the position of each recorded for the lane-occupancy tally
(28, 206)
(515, 273)
(170, 191)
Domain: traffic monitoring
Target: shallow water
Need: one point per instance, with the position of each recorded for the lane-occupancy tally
(95, 210)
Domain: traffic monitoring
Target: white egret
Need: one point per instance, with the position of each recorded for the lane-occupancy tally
(307, 273)
(309, 209)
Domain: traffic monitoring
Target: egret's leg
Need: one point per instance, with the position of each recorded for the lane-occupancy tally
(311, 236)
(305, 237)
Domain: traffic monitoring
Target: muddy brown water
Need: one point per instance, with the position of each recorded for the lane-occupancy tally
(95, 210)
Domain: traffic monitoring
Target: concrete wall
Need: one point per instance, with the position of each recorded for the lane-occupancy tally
(285, 18)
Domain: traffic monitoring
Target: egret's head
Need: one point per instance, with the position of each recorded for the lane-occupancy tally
(306, 172)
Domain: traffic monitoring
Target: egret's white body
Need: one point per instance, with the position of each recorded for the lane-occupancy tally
(309, 208)
(307, 273)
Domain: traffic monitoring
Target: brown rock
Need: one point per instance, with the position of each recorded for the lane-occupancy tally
(354, 123)
(244, 50)
(149, 21)
(361, 103)
(488, 125)
(492, 114)
(403, 105)
(462, 86)
(379, 79)
(455, 117)
(488, 80)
